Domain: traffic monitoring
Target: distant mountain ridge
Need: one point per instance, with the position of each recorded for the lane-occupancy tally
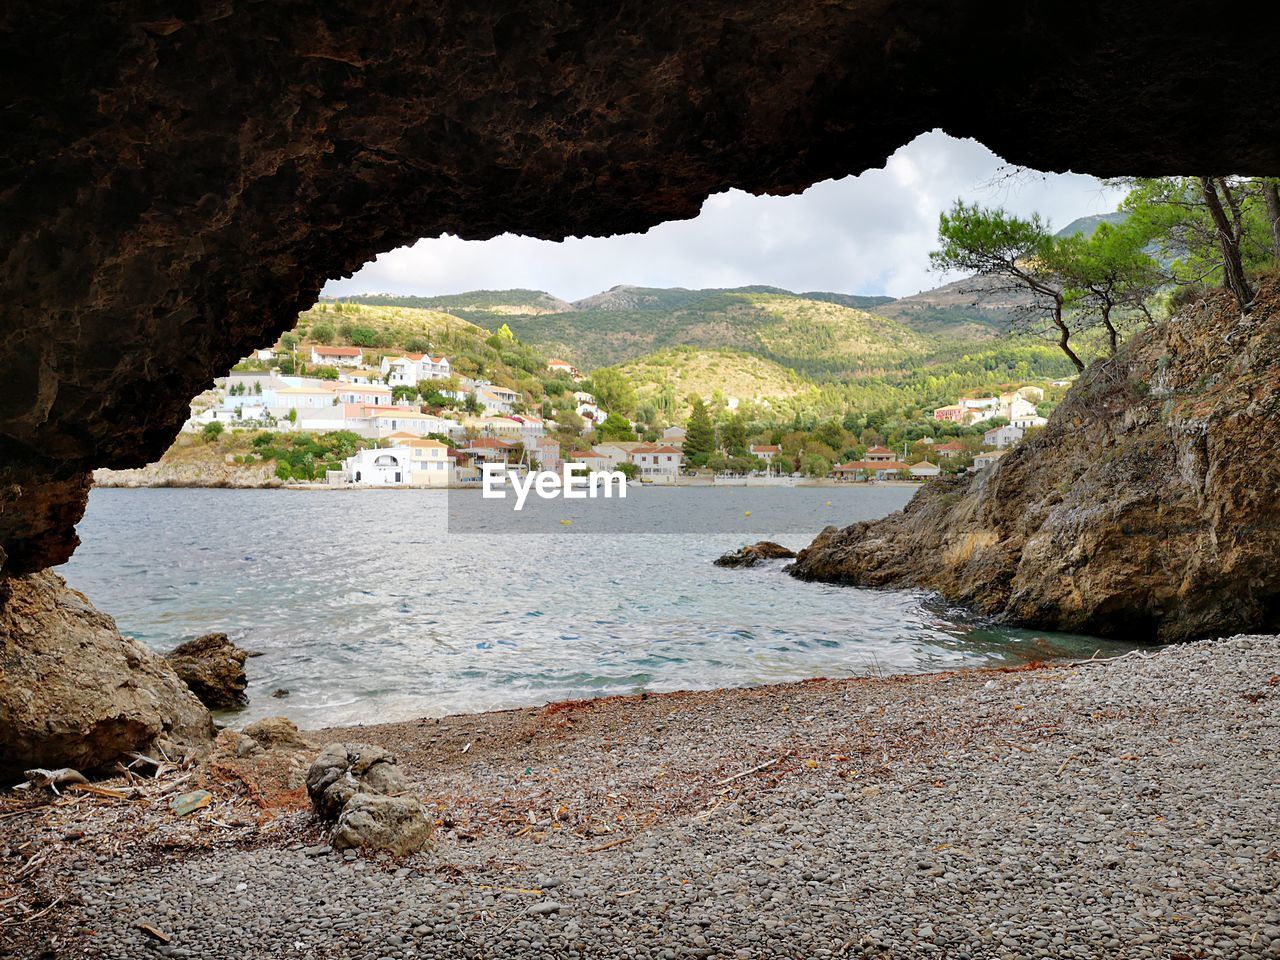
(1089, 225)
(823, 334)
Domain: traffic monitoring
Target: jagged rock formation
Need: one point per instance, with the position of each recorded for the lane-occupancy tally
(1147, 509)
(177, 184)
(74, 692)
(212, 667)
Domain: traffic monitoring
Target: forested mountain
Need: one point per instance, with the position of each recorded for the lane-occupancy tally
(820, 334)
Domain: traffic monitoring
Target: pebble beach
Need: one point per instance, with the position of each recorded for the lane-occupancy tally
(1127, 808)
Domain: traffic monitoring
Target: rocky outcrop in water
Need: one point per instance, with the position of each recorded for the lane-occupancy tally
(1147, 509)
(213, 668)
(75, 693)
(178, 181)
(756, 553)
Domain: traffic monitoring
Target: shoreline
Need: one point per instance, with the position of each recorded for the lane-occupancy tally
(1110, 808)
(350, 488)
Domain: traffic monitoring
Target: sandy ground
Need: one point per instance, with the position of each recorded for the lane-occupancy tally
(1128, 808)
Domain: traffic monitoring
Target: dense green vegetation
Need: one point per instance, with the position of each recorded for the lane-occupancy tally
(821, 334)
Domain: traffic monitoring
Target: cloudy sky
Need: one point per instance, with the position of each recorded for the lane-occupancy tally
(868, 234)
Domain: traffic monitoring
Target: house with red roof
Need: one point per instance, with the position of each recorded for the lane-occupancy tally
(765, 451)
(491, 450)
(563, 366)
(336, 356)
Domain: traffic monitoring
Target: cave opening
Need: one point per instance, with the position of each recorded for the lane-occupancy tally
(179, 188)
(655, 736)
(761, 305)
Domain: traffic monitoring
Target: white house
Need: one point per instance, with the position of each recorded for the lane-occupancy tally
(1014, 406)
(409, 368)
(384, 422)
(336, 356)
(359, 375)
(387, 467)
(252, 388)
(429, 462)
(531, 427)
(266, 353)
(765, 451)
(363, 393)
(295, 398)
(924, 469)
(1026, 423)
(660, 464)
(399, 371)
(321, 419)
(987, 459)
(434, 368)
(1002, 437)
(977, 409)
(495, 400)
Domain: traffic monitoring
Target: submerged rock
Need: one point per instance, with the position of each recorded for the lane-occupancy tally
(213, 667)
(749, 556)
(1147, 509)
(76, 693)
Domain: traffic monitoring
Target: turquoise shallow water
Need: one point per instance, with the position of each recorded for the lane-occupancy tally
(367, 609)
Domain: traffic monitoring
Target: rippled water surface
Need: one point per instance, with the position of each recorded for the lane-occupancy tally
(366, 609)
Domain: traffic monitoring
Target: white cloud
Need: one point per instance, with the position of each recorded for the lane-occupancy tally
(868, 234)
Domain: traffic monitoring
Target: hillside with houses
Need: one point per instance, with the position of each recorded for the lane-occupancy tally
(389, 395)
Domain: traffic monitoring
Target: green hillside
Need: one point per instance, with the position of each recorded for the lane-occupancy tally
(823, 335)
(669, 376)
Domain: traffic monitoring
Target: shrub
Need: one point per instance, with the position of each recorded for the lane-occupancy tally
(212, 431)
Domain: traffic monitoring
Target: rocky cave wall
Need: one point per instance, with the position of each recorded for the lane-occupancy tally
(1148, 509)
(180, 179)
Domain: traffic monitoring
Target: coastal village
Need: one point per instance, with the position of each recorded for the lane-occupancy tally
(410, 420)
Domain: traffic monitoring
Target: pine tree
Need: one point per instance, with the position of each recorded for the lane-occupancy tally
(699, 437)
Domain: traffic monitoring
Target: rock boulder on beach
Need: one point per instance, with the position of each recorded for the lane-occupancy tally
(76, 693)
(398, 825)
(344, 769)
(359, 786)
